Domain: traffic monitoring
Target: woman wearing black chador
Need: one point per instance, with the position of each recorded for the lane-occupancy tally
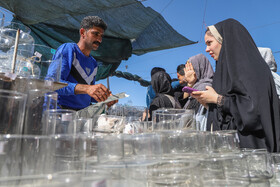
(243, 94)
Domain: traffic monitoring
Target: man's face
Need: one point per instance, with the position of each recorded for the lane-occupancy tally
(93, 37)
(181, 78)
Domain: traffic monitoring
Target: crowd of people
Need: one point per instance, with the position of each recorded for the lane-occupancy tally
(242, 94)
(235, 97)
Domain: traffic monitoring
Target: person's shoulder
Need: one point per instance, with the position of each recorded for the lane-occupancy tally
(175, 84)
(66, 47)
(92, 58)
(93, 61)
(156, 99)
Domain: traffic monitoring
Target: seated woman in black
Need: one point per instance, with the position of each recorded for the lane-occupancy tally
(161, 83)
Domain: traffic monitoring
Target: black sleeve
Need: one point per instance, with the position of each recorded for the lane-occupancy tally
(245, 115)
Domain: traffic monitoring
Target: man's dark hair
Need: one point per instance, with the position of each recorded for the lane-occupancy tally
(156, 69)
(180, 69)
(91, 21)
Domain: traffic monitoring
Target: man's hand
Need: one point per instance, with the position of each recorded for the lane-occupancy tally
(190, 75)
(99, 92)
(112, 102)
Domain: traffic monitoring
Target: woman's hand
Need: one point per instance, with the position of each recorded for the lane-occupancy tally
(190, 75)
(204, 97)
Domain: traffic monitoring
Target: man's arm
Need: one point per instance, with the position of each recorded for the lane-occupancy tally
(65, 55)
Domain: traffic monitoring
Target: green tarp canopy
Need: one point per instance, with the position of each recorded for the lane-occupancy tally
(132, 27)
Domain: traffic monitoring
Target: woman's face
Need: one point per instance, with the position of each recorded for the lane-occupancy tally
(213, 47)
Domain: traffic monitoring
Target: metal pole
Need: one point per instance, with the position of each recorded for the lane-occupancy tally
(15, 51)
(108, 83)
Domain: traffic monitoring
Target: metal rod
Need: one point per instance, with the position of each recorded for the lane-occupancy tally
(15, 51)
(108, 83)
